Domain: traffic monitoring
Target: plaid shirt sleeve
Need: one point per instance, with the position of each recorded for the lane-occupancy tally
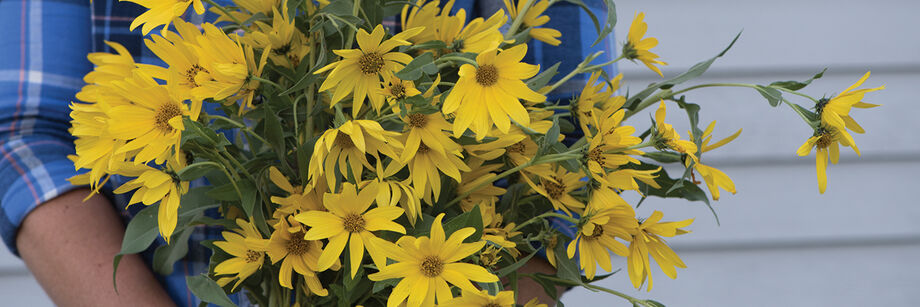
(43, 47)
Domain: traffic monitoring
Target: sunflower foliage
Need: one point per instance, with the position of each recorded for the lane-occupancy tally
(351, 164)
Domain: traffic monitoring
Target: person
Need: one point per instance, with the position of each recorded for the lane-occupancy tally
(67, 241)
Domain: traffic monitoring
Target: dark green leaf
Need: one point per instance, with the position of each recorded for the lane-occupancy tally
(305, 81)
(273, 131)
(566, 268)
(796, 85)
(167, 255)
(208, 291)
(224, 192)
(197, 170)
(338, 8)
(433, 44)
(693, 72)
(473, 218)
(141, 231)
(663, 156)
(424, 63)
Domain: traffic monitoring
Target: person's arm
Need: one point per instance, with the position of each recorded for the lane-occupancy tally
(68, 245)
(529, 289)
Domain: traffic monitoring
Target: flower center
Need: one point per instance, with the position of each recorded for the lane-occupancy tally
(422, 148)
(432, 266)
(597, 155)
(598, 231)
(555, 189)
(398, 91)
(825, 140)
(297, 245)
(630, 52)
(354, 223)
(166, 112)
(371, 63)
(344, 141)
(417, 120)
(252, 256)
(492, 304)
(193, 71)
(487, 75)
(518, 147)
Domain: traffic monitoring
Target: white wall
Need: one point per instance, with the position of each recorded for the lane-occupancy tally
(780, 242)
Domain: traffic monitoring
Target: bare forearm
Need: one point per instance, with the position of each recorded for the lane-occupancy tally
(529, 289)
(68, 245)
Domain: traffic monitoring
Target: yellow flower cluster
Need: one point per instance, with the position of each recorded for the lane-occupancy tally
(436, 150)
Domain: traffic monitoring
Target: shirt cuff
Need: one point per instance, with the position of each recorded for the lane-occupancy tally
(33, 170)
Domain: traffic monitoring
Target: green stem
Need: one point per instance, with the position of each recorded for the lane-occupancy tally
(443, 60)
(241, 126)
(633, 300)
(351, 33)
(582, 67)
(267, 81)
(541, 216)
(519, 19)
(651, 99)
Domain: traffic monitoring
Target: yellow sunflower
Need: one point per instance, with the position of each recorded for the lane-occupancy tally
(826, 141)
(346, 147)
(637, 48)
(296, 254)
(392, 192)
(426, 265)
(478, 174)
(555, 183)
(423, 14)
(360, 70)
(607, 149)
(349, 221)
(481, 299)
(426, 165)
(162, 12)
(151, 122)
(491, 92)
(647, 242)
(533, 19)
(835, 112)
(299, 199)
(223, 62)
(714, 178)
(478, 36)
(606, 221)
(397, 89)
(287, 44)
(246, 246)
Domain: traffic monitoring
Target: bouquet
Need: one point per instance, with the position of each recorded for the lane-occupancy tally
(351, 164)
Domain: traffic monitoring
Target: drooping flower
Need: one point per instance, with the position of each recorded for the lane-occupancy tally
(477, 36)
(224, 63)
(595, 98)
(360, 70)
(299, 199)
(247, 248)
(826, 141)
(287, 44)
(533, 20)
(482, 195)
(162, 12)
(349, 221)
(296, 254)
(647, 242)
(668, 138)
(835, 112)
(425, 266)
(714, 178)
(154, 185)
(481, 299)
(491, 92)
(393, 192)
(609, 147)
(637, 48)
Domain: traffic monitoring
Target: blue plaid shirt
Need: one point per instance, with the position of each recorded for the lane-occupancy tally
(43, 48)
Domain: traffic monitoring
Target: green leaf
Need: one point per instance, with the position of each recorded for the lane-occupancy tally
(166, 256)
(380, 285)
(273, 131)
(224, 192)
(654, 303)
(542, 79)
(807, 115)
(208, 291)
(197, 170)
(773, 96)
(473, 218)
(663, 156)
(695, 71)
(551, 138)
(305, 81)
(250, 199)
(424, 63)
(796, 85)
(432, 44)
(611, 21)
(141, 231)
(674, 188)
(338, 8)
(514, 266)
(566, 268)
(549, 287)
